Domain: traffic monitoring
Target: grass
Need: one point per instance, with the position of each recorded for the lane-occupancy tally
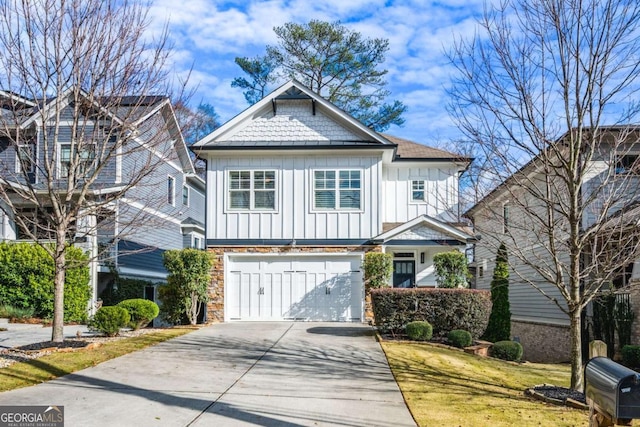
(25, 374)
(451, 388)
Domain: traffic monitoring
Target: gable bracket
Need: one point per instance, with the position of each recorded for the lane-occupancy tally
(313, 106)
(273, 105)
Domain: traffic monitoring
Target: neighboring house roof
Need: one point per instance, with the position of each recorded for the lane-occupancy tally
(409, 150)
(449, 231)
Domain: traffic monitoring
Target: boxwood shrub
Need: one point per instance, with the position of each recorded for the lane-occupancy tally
(631, 356)
(419, 331)
(109, 320)
(444, 309)
(459, 338)
(142, 311)
(507, 350)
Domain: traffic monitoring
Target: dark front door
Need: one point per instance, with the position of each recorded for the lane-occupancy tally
(404, 274)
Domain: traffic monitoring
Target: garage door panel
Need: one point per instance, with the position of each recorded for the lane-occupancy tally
(294, 288)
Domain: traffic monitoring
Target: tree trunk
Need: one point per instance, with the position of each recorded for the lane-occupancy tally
(57, 333)
(576, 351)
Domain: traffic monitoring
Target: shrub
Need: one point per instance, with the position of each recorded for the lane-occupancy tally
(142, 311)
(444, 309)
(499, 327)
(631, 356)
(460, 338)
(187, 283)
(378, 268)
(451, 269)
(419, 331)
(507, 350)
(109, 320)
(26, 280)
(15, 312)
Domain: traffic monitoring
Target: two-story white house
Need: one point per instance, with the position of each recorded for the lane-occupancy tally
(124, 160)
(298, 191)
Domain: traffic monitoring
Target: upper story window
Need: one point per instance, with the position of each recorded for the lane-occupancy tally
(336, 189)
(627, 164)
(417, 191)
(82, 159)
(252, 189)
(185, 195)
(171, 190)
(26, 158)
(505, 218)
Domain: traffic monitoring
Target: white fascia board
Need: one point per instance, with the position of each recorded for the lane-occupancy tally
(430, 222)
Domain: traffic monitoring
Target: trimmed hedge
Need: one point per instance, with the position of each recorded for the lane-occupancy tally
(631, 356)
(109, 320)
(142, 311)
(419, 331)
(507, 350)
(444, 309)
(26, 280)
(459, 338)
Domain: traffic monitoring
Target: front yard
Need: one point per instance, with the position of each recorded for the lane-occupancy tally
(445, 387)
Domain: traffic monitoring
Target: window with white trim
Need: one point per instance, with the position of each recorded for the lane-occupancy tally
(82, 159)
(171, 190)
(252, 189)
(417, 191)
(26, 158)
(337, 189)
(185, 195)
(628, 164)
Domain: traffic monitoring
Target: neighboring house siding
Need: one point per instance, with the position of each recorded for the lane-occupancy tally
(294, 215)
(440, 189)
(148, 229)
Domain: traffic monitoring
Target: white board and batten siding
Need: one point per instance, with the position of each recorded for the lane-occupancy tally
(300, 287)
(294, 216)
(440, 187)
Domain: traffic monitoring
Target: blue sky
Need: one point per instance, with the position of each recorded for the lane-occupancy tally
(209, 34)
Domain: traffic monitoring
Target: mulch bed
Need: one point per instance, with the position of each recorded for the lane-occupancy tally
(558, 395)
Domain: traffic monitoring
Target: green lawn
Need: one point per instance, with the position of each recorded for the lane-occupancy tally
(55, 365)
(445, 387)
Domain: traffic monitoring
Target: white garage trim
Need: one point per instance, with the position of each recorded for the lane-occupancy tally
(293, 286)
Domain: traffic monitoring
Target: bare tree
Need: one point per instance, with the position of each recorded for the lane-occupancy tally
(545, 95)
(69, 68)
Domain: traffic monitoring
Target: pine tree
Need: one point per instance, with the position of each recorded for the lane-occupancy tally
(499, 328)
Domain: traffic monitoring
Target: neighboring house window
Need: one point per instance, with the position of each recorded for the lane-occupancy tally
(26, 158)
(84, 159)
(197, 242)
(336, 189)
(417, 191)
(185, 195)
(505, 218)
(171, 189)
(252, 190)
(627, 164)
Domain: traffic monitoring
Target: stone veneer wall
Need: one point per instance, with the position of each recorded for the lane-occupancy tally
(215, 306)
(542, 342)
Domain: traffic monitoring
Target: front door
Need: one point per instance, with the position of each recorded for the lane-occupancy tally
(404, 274)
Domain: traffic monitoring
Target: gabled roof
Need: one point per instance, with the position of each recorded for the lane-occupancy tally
(429, 222)
(409, 150)
(293, 91)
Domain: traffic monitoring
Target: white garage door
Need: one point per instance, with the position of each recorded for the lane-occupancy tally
(322, 288)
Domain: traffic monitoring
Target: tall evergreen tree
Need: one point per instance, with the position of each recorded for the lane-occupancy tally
(499, 327)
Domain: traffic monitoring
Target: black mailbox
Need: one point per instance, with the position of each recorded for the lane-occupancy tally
(612, 389)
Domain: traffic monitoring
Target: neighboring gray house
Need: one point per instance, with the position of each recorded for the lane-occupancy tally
(509, 214)
(298, 191)
(145, 197)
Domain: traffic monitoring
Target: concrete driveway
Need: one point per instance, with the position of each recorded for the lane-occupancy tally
(235, 374)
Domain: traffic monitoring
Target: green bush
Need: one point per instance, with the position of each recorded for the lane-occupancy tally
(419, 331)
(507, 350)
(378, 268)
(451, 269)
(631, 356)
(444, 309)
(142, 311)
(26, 280)
(11, 312)
(109, 320)
(460, 338)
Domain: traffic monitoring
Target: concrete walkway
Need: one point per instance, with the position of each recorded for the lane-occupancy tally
(236, 374)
